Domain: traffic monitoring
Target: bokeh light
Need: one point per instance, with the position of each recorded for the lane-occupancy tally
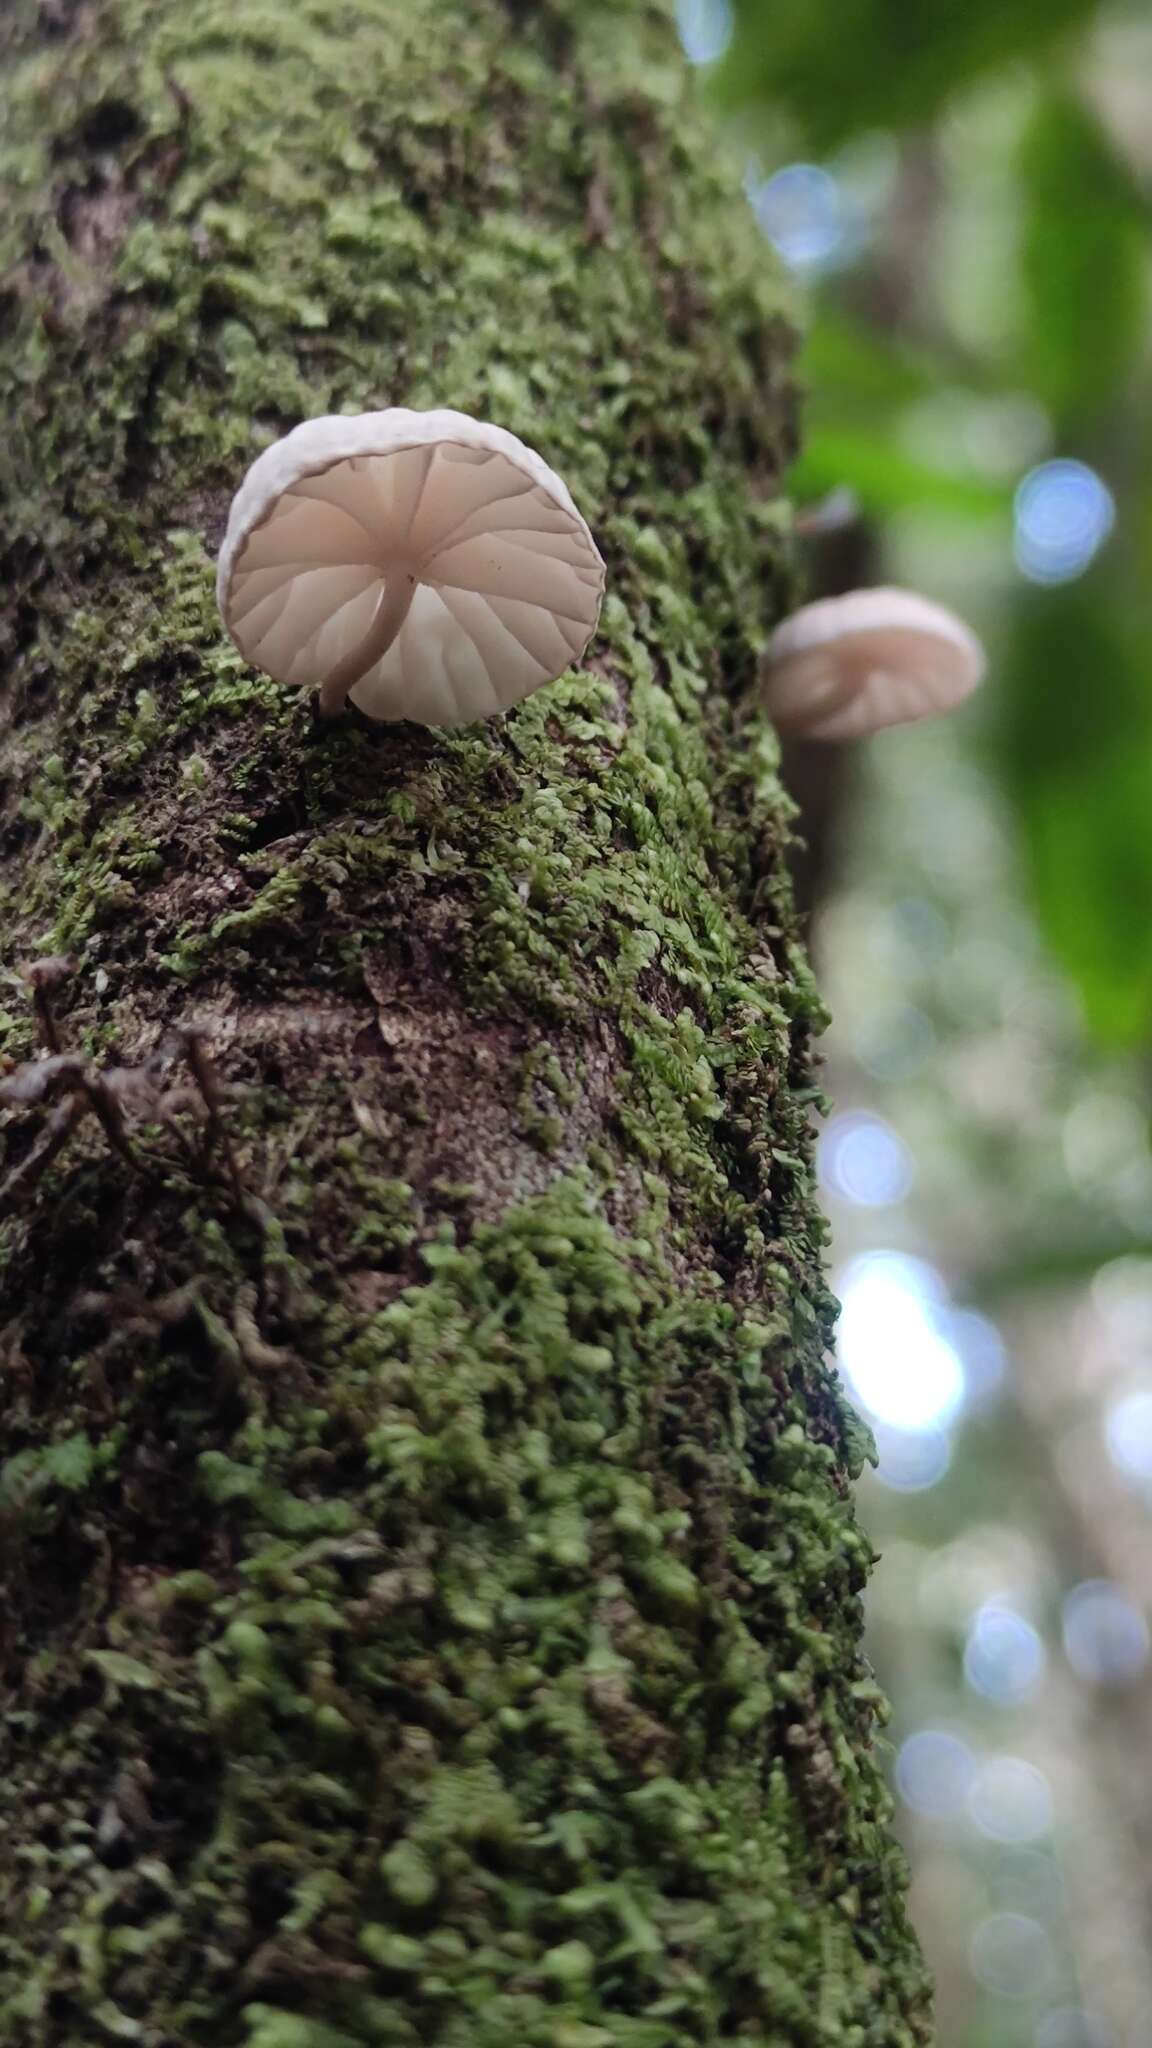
(1064, 514)
(893, 1043)
(1105, 1139)
(1122, 1298)
(1003, 432)
(900, 1367)
(934, 1773)
(862, 1159)
(1004, 1656)
(1009, 1800)
(1105, 1634)
(981, 1350)
(911, 1461)
(1072, 2027)
(801, 210)
(921, 929)
(1025, 1880)
(1128, 1430)
(705, 29)
(1011, 1955)
(898, 1364)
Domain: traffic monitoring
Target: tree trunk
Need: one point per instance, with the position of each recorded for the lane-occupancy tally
(433, 1596)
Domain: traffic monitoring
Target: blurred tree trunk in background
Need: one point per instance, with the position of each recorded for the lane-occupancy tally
(842, 552)
(431, 1600)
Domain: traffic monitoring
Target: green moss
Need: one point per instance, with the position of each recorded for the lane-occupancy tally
(502, 1717)
(432, 1584)
(548, 1770)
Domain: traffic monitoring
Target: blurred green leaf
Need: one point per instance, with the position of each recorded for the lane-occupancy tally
(1062, 1264)
(859, 363)
(885, 480)
(1083, 261)
(865, 64)
(1074, 751)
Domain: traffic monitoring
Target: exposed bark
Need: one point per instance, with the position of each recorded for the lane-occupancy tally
(432, 1591)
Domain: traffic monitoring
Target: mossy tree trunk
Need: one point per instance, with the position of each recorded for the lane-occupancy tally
(432, 1601)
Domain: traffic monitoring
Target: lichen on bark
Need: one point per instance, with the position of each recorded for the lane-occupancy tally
(432, 1595)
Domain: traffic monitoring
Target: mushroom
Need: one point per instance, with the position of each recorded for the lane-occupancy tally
(427, 565)
(846, 666)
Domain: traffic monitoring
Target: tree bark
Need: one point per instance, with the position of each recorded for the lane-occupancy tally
(432, 1600)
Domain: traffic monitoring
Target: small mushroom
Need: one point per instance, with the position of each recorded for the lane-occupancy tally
(426, 565)
(846, 666)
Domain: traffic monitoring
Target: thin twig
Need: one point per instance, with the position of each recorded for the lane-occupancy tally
(54, 1136)
(111, 1117)
(42, 976)
(208, 1082)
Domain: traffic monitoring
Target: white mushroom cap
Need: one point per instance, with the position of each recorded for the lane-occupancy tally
(427, 564)
(847, 666)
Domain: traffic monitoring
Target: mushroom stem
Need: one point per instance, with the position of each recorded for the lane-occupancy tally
(393, 606)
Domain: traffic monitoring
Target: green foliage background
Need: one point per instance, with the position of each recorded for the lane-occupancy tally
(982, 929)
(1007, 98)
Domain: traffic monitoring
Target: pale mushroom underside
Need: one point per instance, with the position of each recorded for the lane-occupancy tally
(843, 667)
(880, 679)
(508, 578)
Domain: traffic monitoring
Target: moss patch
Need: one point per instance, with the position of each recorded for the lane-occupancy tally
(497, 1676)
